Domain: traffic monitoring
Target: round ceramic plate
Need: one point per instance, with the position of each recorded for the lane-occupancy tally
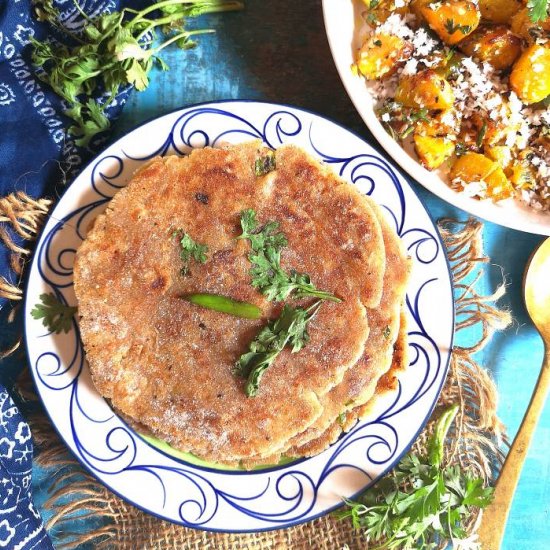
(345, 29)
(198, 495)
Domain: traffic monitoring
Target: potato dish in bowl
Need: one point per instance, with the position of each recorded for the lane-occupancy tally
(465, 84)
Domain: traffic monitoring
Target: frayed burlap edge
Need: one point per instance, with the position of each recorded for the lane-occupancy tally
(23, 216)
(474, 443)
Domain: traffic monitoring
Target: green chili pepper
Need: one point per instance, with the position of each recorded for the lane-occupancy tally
(225, 305)
(437, 443)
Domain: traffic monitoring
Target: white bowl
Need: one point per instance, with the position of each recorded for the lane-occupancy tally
(344, 25)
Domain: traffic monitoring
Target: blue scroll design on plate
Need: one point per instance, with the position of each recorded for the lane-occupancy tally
(282, 495)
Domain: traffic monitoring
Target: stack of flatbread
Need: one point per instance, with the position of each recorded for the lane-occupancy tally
(167, 365)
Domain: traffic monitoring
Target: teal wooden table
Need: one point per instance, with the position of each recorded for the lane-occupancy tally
(277, 51)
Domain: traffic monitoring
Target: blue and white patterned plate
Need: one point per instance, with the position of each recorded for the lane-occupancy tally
(196, 495)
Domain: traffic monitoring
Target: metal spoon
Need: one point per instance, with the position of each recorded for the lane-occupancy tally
(536, 292)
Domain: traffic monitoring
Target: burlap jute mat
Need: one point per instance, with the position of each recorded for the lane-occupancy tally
(475, 442)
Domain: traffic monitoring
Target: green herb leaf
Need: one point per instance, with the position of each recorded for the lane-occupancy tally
(402, 121)
(481, 134)
(460, 149)
(55, 315)
(342, 418)
(44, 10)
(371, 19)
(451, 28)
(265, 164)
(190, 250)
(433, 508)
(289, 329)
(137, 76)
(89, 120)
(538, 10)
(267, 274)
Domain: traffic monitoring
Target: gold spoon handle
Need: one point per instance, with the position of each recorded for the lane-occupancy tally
(493, 522)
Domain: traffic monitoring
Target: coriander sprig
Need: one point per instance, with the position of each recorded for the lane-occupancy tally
(399, 121)
(56, 316)
(290, 328)
(433, 508)
(189, 250)
(451, 27)
(113, 50)
(267, 274)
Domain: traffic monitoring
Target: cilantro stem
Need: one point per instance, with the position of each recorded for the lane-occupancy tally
(158, 22)
(218, 6)
(179, 36)
(306, 292)
(81, 11)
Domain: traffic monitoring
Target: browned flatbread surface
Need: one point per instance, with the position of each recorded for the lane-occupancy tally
(167, 363)
(359, 382)
(342, 405)
(385, 384)
(346, 420)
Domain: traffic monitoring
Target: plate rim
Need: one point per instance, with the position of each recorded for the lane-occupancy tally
(429, 180)
(291, 523)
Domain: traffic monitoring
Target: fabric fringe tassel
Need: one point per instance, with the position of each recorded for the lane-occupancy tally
(474, 443)
(23, 216)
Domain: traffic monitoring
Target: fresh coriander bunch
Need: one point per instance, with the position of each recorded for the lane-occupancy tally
(421, 504)
(113, 50)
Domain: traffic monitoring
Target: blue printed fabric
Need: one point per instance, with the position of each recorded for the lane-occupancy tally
(20, 523)
(38, 157)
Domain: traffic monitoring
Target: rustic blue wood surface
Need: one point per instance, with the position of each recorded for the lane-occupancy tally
(277, 51)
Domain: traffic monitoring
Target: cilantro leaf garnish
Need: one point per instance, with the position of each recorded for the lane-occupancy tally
(265, 164)
(460, 149)
(113, 51)
(189, 250)
(537, 9)
(481, 134)
(434, 507)
(56, 316)
(400, 121)
(451, 27)
(289, 329)
(89, 121)
(267, 274)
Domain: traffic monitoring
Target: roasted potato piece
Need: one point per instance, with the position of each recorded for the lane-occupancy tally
(530, 76)
(476, 168)
(498, 11)
(416, 7)
(433, 151)
(500, 154)
(451, 20)
(425, 90)
(499, 46)
(381, 54)
(522, 25)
